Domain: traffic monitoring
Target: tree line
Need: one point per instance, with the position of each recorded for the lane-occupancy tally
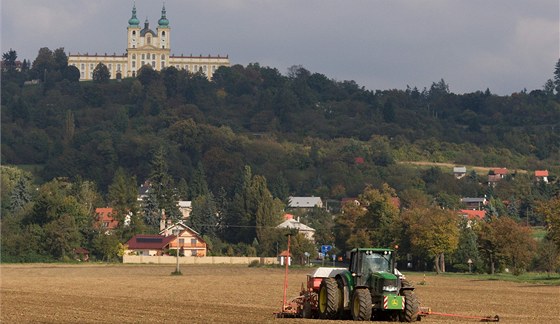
(299, 134)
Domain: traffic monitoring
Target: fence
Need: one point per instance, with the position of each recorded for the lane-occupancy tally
(166, 259)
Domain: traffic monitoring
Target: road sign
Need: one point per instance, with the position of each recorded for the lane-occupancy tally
(325, 248)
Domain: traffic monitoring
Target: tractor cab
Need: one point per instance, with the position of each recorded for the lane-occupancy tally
(366, 264)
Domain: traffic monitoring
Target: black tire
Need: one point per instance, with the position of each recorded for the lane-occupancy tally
(329, 299)
(307, 310)
(361, 305)
(411, 307)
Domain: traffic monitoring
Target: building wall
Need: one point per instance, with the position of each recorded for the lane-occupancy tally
(166, 259)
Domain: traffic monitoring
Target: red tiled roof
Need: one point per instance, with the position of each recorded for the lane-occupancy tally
(541, 173)
(149, 241)
(473, 214)
(105, 218)
(288, 216)
(502, 171)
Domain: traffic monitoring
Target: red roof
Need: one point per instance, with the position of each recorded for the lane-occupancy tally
(105, 218)
(149, 241)
(359, 160)
(473, 214)
(288, 216)
(501, 171)
(541, 173)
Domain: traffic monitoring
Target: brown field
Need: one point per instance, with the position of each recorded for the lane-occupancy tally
(229, 294)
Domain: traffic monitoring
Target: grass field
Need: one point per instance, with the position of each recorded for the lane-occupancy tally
(95, 293)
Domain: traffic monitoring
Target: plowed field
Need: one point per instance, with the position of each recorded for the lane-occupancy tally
(229, 294)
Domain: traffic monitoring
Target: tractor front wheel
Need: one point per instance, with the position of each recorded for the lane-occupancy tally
(361, 305)
(411, 308)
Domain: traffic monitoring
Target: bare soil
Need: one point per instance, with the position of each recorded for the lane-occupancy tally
(93, 293)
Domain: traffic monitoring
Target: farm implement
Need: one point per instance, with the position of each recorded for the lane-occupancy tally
(370, 289)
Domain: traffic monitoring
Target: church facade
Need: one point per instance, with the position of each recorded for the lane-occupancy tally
(146, 47)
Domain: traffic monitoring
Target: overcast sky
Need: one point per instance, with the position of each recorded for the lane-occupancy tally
(503, 45)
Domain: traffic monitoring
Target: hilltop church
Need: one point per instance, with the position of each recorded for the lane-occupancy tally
(146, 47)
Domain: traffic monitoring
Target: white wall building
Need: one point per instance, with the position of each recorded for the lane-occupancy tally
(146, 47)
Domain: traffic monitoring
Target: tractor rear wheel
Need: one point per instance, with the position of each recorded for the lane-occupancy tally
(329, 299)
(361, 305)
(411, 307)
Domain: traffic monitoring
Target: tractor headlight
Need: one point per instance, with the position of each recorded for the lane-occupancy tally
(389, 288)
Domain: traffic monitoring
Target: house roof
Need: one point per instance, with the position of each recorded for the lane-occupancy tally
(292, 223)
(501, 171)
(473, 214)
(184, 228)
(541, 173)
(460, 170)
(184, 203)
(104, 216)
(473, 200)
(305, 202)
(149, 241)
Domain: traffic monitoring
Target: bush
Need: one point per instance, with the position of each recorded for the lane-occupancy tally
(254, 263)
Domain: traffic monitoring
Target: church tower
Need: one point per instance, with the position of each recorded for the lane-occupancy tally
(163, 30)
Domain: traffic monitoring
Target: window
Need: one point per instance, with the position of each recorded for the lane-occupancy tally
(82, 75)
(163, 33)
(181, 242)
(193, 253)
(149, 40)
(143, 57)
(154, 64)
(133, 56)
(133, 33)
(143, 63)
(163, 56)
(110, 66)
(133, 46)
(162, 64)
(91, 66)
(193, 241)
(153, 56)
(83, 66)
(118, 67)
(133, 64)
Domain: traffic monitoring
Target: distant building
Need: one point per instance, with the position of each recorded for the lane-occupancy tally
(474, 203)
(495, 175)
(146, 47)
(459, 172)
(305, 202)
(541, 175)
(307, 231)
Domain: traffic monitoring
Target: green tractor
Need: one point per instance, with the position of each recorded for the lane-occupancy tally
(370, 289)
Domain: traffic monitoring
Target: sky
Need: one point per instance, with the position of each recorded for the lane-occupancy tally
(503, 45)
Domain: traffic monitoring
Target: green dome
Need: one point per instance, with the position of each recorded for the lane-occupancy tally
(133, 21)
(163, 22)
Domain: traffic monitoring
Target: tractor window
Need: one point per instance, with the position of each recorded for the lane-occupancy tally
(375, 263)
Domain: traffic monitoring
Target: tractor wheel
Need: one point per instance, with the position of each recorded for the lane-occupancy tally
(361, 305)
(411, 308)
(329, 299)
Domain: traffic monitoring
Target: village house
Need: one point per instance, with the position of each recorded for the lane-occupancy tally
(474, 203)
(541, 175)
(459, 172)
(495, 175)
(148, 244)
(305, 202)
(186, 240)
(291, 223)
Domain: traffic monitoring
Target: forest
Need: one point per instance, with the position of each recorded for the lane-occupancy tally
(239, 145)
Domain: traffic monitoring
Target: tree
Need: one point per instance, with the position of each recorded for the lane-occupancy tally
(20, 195)
(551, 212)
(204, 215)
(557, 77)
(9, 61)
(162, 185)
(502, 241)
(43, 63)
(72, 73)
(122, 197)
(373, 221)
(101, 73)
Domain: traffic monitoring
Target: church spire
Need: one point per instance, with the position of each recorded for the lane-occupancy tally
(133, 21)
(163, 22)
